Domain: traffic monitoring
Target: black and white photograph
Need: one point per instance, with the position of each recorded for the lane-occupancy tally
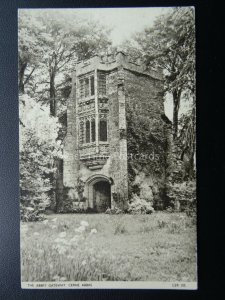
(107, 148)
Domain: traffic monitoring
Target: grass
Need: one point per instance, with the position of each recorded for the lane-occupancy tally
(157, 247)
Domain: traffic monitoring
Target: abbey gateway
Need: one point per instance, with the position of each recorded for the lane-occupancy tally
(117, 136)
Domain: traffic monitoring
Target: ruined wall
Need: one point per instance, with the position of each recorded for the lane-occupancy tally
(145, 136)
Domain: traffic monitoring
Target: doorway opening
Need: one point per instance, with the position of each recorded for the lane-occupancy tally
(101, 196)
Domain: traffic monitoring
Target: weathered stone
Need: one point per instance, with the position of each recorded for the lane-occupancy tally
(122, 94)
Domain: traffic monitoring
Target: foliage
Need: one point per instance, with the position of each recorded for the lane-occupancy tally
(182, 195)
(120, 202)
(139, 206)
(113, 211)
(187, 140)
(80, 189)
(53, 41)
(38, 148)
(30, 214)
(143, 143)
(146, 145)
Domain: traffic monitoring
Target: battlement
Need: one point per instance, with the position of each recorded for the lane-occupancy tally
(108, 62)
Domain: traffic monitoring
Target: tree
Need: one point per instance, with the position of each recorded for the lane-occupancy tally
(170, 45)
(30, 47)
(64, 39)
(38, 149)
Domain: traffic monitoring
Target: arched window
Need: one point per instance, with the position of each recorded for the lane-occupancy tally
(93, 130)
(87, 131)
(103, 130)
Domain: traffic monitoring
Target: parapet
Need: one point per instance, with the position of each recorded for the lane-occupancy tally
(108, 62)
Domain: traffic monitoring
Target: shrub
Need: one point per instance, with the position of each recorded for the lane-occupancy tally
(182, 196)
(29, 214)
(139, 206)
(32, 208)
(113, 211)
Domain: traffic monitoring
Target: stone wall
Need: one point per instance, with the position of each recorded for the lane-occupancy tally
(70, 151)
(117, 141)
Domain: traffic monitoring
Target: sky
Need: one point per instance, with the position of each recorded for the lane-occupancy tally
(123, 21)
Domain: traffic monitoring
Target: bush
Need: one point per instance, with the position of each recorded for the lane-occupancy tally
(182, 196)
(139, 206)
(30, 214)
(32, 208)
(113, 211)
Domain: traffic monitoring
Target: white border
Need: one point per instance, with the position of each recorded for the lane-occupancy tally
(173, 285)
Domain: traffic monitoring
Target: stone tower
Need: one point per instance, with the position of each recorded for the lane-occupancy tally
(96, 163)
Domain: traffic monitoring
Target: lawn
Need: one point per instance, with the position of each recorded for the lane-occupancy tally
(78, 247)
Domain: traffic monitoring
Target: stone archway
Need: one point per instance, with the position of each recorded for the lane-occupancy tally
(99, 192)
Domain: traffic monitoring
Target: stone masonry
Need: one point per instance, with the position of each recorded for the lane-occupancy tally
(97, 144)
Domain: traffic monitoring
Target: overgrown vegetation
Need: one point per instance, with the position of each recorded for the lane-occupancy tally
(169, 45)
(38, 148)
(139, 206)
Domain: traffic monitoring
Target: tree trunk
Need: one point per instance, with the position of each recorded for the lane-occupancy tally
(53, 106)
(176, 106)
(22, 68)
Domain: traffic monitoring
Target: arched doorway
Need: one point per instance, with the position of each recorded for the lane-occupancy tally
(101, 196)
(99, 192)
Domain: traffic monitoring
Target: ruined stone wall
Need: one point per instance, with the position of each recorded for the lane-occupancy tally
(145, 136)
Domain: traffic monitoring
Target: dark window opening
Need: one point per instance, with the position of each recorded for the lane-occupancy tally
(103, 130)
(92, 86)
(88, 131)
(93, 130)
(86, 87)
(81, 132)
